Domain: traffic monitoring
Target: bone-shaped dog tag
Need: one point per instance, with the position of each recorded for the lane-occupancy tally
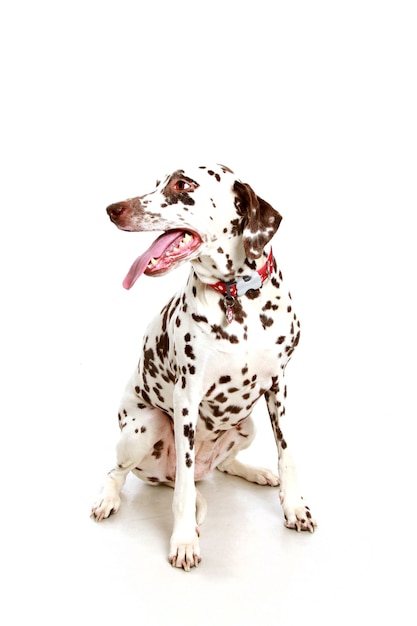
(246, 283)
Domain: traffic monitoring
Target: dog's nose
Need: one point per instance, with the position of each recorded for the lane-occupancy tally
(115, 210)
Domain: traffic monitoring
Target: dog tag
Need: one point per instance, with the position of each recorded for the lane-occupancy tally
(230, 316)
(229, 303)
(244, 284)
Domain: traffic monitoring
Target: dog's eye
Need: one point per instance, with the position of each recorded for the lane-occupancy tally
(182, 185)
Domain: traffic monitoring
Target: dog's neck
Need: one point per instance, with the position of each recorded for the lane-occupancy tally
(219, 271)
(249, 278)
(241, 285)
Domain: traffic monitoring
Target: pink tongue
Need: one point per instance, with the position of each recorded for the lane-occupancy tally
(157, 248)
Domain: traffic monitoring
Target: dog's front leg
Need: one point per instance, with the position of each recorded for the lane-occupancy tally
(297, 514)
(184, 548)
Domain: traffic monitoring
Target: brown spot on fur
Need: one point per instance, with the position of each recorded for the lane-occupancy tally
(233, 409)
(212, 388)
(189, 351)
(188, 460)
(266, 321)
(199, 318)
(221, 334)
(209, 423)
(190, 434)
(157, 449)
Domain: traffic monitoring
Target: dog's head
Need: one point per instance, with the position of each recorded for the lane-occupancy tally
(200, 210)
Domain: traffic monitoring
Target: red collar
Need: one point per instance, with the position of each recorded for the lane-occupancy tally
(244, 283)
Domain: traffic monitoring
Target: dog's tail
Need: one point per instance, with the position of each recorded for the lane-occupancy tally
(200, 508)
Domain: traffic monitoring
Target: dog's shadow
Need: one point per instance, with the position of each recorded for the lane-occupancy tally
(235, 508)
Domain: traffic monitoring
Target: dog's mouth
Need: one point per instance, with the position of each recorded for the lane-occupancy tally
(165, 252)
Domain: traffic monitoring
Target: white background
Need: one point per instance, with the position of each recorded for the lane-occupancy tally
(312, 103)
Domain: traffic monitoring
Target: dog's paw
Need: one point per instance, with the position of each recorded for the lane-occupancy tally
(298, 517)
(104, 507)
(258, 475)
(185, 554)
(263, 476)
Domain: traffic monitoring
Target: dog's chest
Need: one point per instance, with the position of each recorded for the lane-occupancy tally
(235, 388)
(192, 347)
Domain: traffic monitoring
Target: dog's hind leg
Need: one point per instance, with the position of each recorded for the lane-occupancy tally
(143, 449)
(240, 439)
(109, 500)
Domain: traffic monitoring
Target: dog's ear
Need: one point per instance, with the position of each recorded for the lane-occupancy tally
(260, 219)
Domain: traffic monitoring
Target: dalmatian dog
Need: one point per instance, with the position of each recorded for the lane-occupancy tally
(216, 348)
